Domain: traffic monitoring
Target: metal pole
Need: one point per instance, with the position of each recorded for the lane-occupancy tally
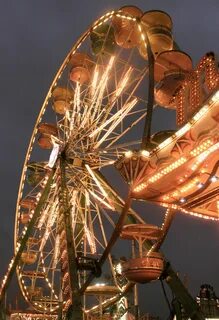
(136, 307)
(182, 295)
(75, 310)
(148, 119)
(60, 313)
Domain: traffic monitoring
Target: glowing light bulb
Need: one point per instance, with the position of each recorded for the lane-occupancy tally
(214, 178)
(200, 185)
(128, 154)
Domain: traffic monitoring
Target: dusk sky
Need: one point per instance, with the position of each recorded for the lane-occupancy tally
(35, 37)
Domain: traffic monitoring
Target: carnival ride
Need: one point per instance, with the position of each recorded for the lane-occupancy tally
(69, 216)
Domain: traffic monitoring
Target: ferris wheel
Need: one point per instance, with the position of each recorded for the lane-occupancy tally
(91, 116)
(69, 214)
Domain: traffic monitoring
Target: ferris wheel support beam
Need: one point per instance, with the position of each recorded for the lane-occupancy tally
(181, 293)
(170, 214)
(119, 202)
(148, 119)
(75, 310)
(23, 241)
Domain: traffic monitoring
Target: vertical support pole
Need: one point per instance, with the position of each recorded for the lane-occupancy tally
(60, 313)
(136, 307)
(2, 312)
(148, 120)
(100, 306)
(75, 310)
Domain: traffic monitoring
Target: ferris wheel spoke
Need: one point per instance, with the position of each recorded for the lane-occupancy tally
(88, 204)
(125, 131)
(118, 201)
(115, 123)
(118, 148)
(50, 222)
(101, 188)
(98, 193)
(49, 283)
(123, 110)
(104, 122)
(105, 242)
(106, 113)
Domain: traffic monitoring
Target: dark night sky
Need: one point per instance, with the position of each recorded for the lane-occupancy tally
(35, 36)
